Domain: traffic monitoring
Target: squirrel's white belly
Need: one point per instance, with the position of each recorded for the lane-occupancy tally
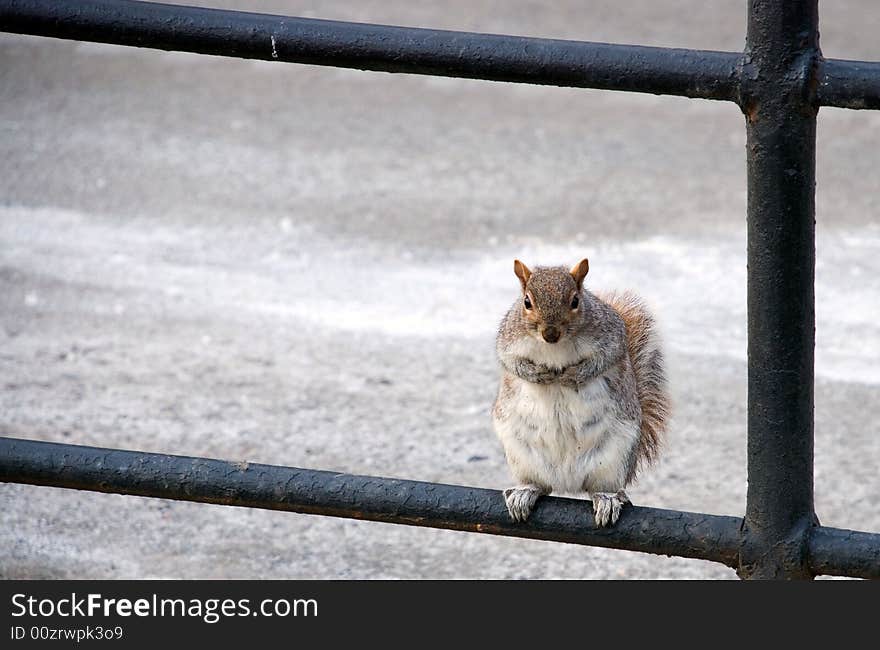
(571, 441)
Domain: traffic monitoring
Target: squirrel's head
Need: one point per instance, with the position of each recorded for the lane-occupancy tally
(551, 300)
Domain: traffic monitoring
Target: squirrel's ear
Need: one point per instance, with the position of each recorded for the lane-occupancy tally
(579, 271)
(522, 272)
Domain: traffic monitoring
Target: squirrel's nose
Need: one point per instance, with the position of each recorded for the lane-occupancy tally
(550, 334)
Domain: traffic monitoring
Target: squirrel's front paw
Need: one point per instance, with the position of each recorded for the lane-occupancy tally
(521, 500)
(607, 507)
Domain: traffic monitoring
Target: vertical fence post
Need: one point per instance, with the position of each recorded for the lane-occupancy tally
(778, 88)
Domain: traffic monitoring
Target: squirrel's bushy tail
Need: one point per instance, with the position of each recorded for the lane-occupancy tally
(647, 359)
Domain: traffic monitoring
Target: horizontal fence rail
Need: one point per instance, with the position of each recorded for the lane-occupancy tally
(413, 503)
(849, 84)
(664, 71)
(837, 552)
(708, 75)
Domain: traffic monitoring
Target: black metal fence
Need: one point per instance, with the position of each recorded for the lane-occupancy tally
(779, 82)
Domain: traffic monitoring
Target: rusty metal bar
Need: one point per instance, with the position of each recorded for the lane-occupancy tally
(782, 52)
(849, 553)
(849, 84)
(413, 503)
(690, 73)
(708, 75)
(665, 532)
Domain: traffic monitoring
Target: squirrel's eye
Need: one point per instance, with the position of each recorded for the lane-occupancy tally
(527, 303)
(575, 302)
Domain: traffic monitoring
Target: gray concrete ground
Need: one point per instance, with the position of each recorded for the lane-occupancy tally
(305, 266)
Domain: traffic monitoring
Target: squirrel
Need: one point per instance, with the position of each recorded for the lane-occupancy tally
(583, 402)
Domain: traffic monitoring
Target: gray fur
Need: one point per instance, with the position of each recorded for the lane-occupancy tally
(595, 345)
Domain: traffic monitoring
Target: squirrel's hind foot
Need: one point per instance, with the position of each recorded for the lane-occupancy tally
(521, 500)
(607, 507)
